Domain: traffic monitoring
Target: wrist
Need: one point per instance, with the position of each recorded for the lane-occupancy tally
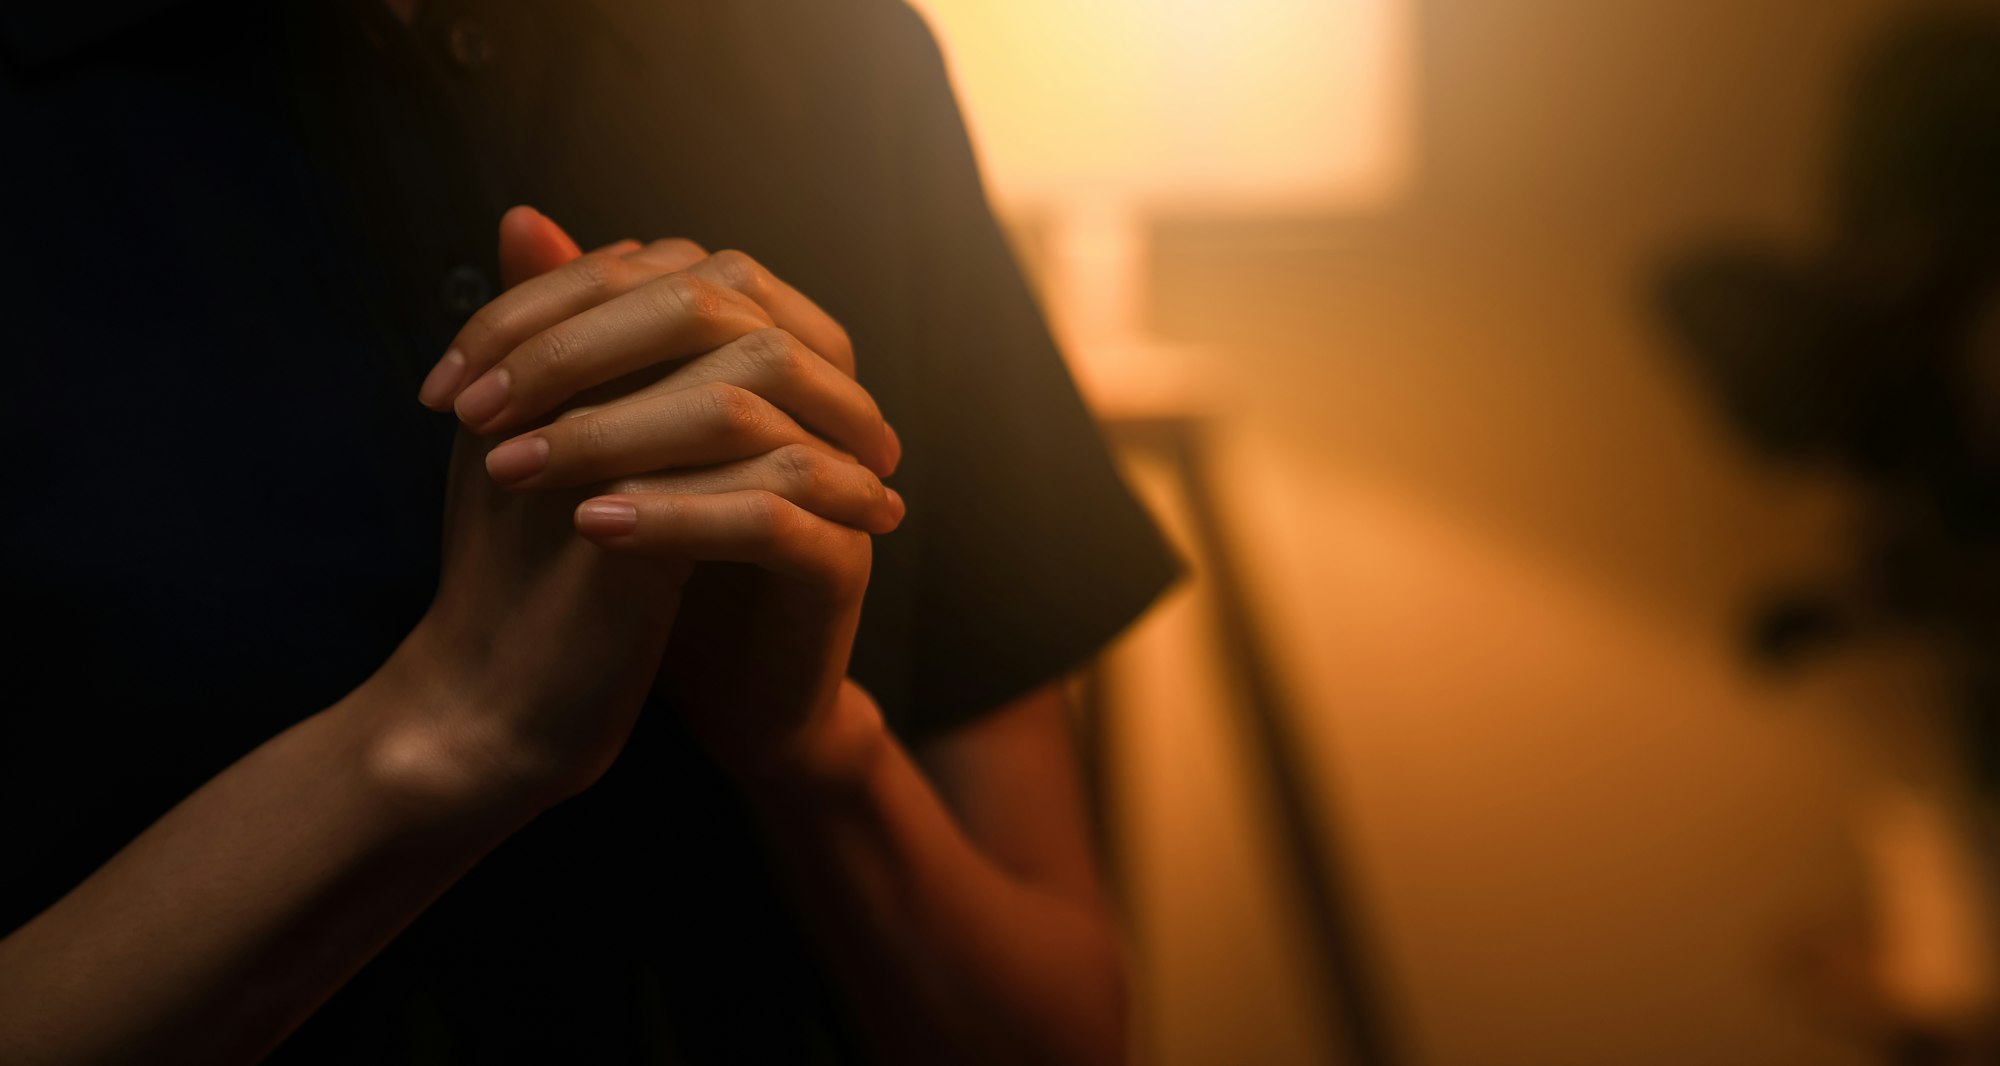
(834, 756)
(426, 743)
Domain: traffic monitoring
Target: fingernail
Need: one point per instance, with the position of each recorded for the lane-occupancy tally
(606, 518)
(518, 459)
(478, 404)
(443, 380)
(901, 507)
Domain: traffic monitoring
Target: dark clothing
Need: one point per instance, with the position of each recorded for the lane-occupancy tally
(239, 238)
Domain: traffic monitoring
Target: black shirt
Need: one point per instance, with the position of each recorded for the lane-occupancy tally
(238, 237)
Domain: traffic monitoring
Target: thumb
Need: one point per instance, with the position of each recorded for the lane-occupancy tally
(531, 244)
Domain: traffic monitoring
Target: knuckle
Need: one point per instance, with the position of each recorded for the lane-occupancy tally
(775, 351)
(735, 410)
(871, 487)
(549, 350)
(584, 436)
(600, 273)
(690, 296)
(769, 518)
(677, 248)
(492, 326)
(801, 468)
(741, 272)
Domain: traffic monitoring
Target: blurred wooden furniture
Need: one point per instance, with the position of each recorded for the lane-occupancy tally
(1307, 832)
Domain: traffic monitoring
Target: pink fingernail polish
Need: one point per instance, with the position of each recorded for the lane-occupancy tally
(484, 398)
(443, 380)
(606, 518)
(518, 460)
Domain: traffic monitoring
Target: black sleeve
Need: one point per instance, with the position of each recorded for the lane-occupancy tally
(1034, 553)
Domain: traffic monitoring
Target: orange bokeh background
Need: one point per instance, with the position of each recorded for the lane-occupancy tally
(1500, 543)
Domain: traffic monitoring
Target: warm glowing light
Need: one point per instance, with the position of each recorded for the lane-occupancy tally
(1266, 103)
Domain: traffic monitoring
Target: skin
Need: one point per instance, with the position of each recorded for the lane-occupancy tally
(660, 408)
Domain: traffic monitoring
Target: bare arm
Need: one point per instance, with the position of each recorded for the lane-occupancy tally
(232, 918)
(963, 919)
(235, 915)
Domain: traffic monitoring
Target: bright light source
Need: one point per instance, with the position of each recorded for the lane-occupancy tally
(1282, 104)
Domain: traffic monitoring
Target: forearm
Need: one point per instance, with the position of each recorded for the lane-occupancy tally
(938, 949)
(228, 921)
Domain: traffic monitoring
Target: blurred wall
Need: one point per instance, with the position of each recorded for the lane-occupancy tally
(1505, 547)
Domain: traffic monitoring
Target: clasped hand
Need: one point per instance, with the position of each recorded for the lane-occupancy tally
(666, 475)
